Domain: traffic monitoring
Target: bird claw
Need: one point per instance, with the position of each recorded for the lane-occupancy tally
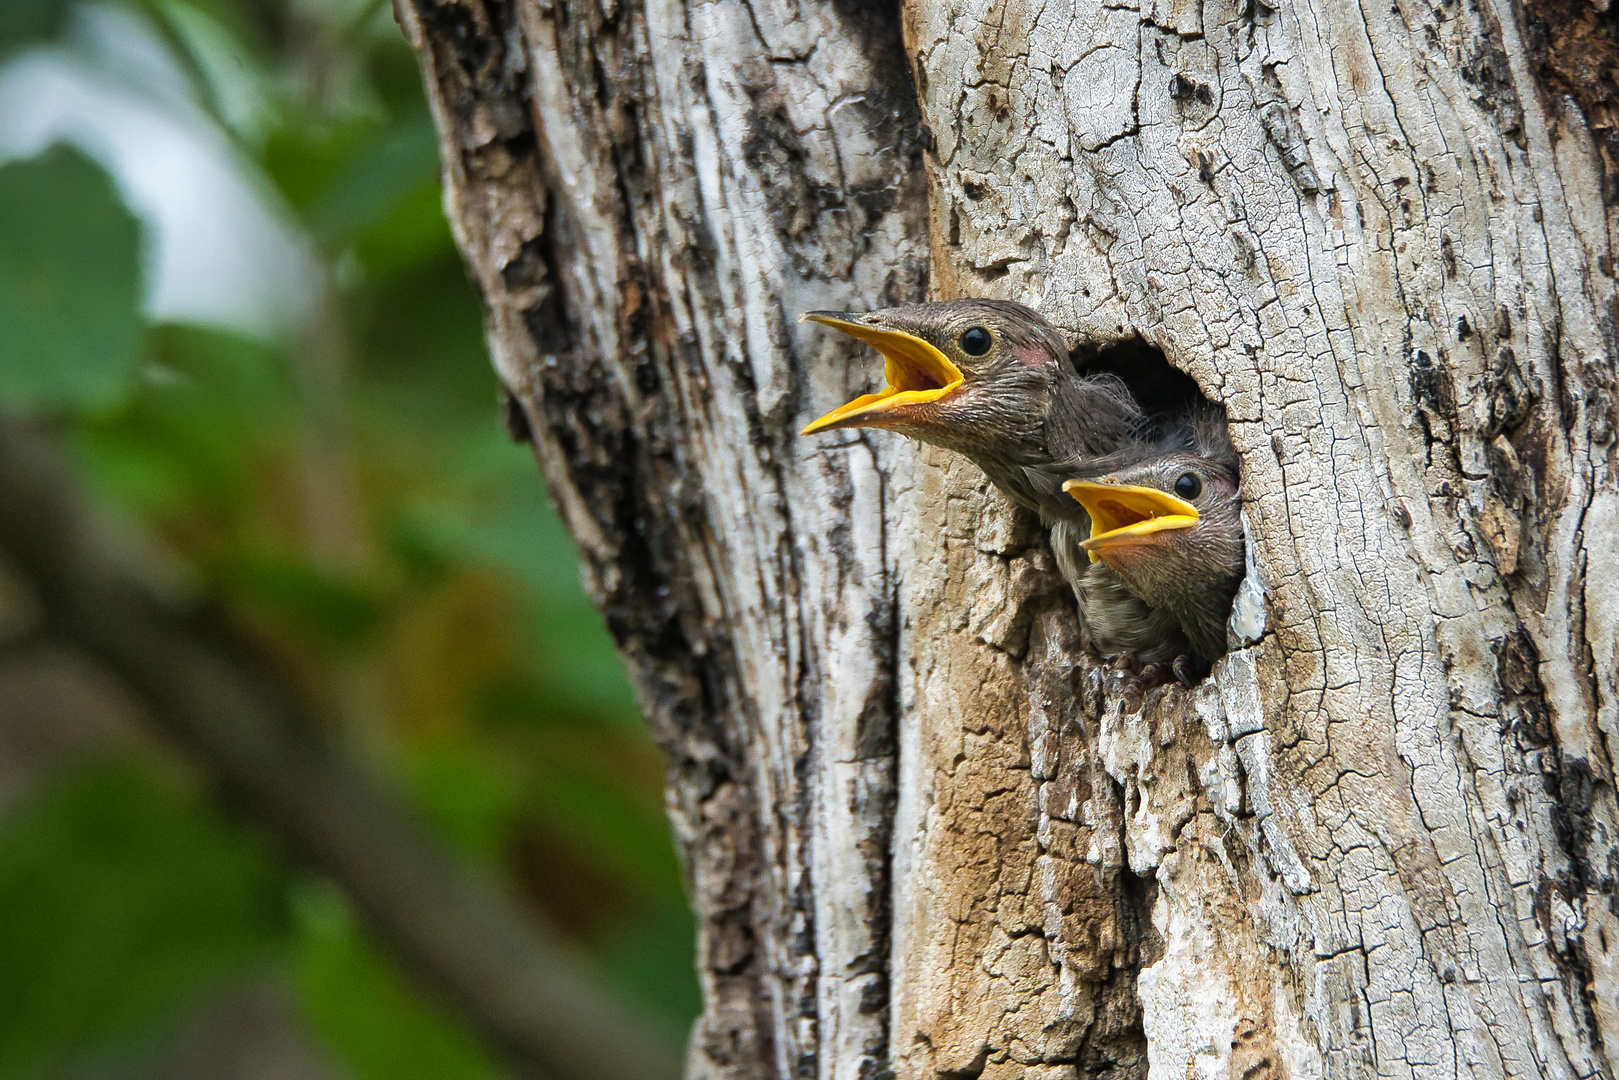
(1138, 677)
(1127, 662)
(1152, 675)
(1185, 669)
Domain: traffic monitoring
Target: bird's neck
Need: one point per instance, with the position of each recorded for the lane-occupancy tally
(1194, 582)
(1090, 417)
(1036, 485)
(1030, 456)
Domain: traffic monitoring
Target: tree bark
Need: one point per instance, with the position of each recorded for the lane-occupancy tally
(926, 833)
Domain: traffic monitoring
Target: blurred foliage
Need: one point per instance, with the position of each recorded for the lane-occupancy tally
(69, 284)
(347, 492)
(121, 899)
(355, 1002)
(23, 22)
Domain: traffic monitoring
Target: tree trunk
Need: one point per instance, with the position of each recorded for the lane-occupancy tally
(925, 833)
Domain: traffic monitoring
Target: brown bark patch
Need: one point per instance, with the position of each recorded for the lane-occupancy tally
(1575, 45)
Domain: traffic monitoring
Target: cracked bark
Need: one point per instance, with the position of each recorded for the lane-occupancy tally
(923, 833)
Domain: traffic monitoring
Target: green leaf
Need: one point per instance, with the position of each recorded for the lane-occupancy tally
(70, 318)
(361, 1008)
(465, 797)
(215, 45)
(650, 961)
(366, 189)
(328, 608)
(414, 234)
(120, 899)
(210, 406)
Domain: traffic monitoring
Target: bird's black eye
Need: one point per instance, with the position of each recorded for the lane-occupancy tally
(1188, 487)
(975, 341)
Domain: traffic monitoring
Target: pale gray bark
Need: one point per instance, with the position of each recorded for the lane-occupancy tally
(1366, 232)
(648, 195)
(923, 831)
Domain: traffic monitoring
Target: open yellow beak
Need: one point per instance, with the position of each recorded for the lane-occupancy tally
(916, 372)
(1123, 514)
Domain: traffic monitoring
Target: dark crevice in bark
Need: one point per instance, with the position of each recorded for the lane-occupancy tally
(684, 672)
(609, 431)
(1572, 788)
(1141, 893)
(878, 741)
(1575, 48)
(1480, 58)
(1105, 935)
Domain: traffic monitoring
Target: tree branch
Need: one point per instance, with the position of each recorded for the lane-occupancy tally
(517, 982)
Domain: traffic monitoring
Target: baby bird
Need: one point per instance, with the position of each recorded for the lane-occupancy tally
(1166, 546)
(991, 380)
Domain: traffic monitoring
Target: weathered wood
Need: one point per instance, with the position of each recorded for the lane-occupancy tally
(649, 194)
(924, 830)
(1383, 843)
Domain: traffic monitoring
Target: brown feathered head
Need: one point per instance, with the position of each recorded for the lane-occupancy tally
(970, 375)
(1171, 527)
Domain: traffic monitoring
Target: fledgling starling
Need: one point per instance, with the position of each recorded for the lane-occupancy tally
(991, 380)
(1166, 533)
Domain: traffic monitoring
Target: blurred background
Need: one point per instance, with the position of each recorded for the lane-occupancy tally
(227, 284)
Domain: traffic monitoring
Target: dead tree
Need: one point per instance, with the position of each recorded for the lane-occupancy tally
(925, 834)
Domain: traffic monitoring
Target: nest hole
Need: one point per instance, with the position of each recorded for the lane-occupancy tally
(1168, 396)
(1162, 390)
